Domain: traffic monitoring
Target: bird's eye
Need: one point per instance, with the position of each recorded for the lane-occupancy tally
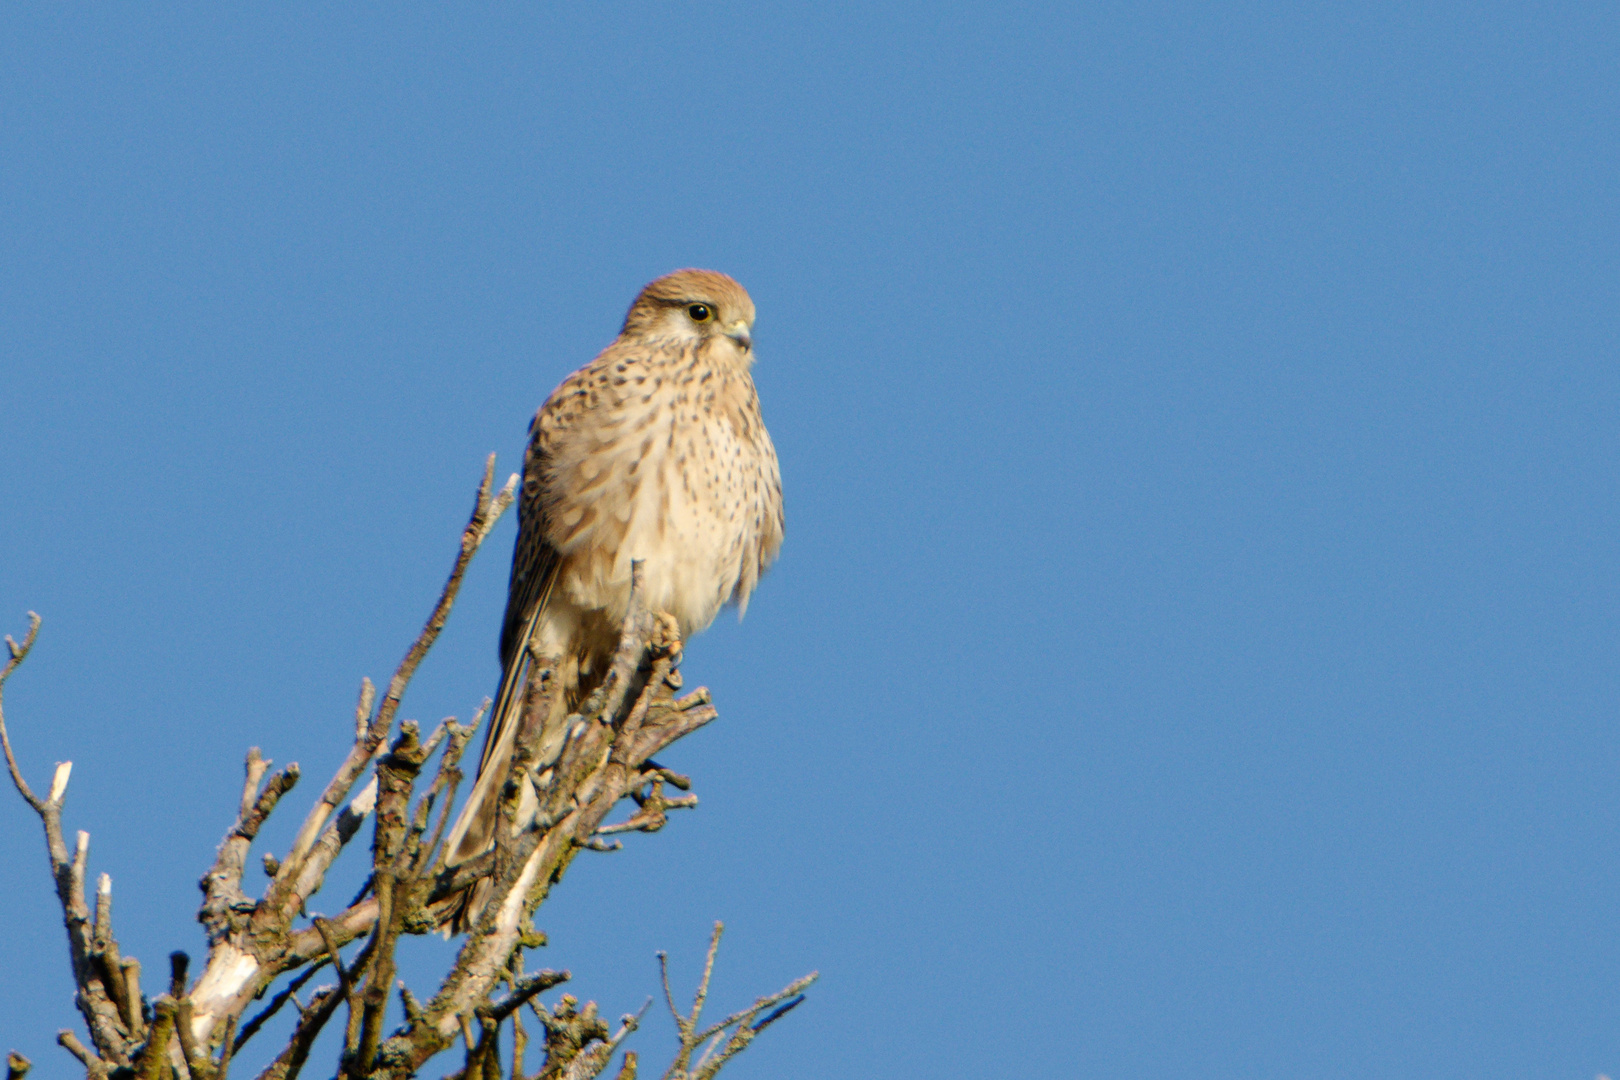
(699, 312)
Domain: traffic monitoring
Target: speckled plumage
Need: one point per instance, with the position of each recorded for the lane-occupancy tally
(655, 450)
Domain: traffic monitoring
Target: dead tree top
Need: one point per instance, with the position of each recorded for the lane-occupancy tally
(192, 1031)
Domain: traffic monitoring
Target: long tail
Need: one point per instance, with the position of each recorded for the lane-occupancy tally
(473, 831)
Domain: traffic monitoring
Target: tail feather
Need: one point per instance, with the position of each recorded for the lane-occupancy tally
(473, 831)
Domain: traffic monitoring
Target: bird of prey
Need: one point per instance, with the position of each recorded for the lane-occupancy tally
(656, 451)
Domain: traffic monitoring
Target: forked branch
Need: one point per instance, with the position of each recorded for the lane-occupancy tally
(723, 1041)
(192, 1031)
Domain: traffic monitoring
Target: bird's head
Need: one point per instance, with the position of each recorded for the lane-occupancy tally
(694, 304)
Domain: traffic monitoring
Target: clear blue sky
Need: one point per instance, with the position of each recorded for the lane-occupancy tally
(1194, 652)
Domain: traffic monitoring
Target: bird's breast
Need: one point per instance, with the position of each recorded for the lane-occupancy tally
(676, 471)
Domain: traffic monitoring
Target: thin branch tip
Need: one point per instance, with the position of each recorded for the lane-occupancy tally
(18, 652)
(271, 945)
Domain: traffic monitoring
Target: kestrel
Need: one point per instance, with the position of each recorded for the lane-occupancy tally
(656, 451)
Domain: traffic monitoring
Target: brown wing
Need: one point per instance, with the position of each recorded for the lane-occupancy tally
(534, 560)
(534, 571)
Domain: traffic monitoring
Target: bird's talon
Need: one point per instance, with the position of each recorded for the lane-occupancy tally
(667, 633)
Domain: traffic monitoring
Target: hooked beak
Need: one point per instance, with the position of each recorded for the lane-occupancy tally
(739, 333)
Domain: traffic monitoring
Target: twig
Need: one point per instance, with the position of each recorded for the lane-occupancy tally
(292, 1057)
(794, 990)
(94, 1066)
(256, 765)
(520, 1044)
(251, 1028)
(336, 789)
(226, 904)
(653, 809)
(396, 776)
(524, 989)
(132, 994)
(448, 779)
(154, 1059)
(334, 837)
(227, 1047)
(96, 987)
(779, 1012)
(198, 1062)
(708, 973)
(323, 928)
(179, 966)
(744, 1025)
(669, 998)
(15, 655)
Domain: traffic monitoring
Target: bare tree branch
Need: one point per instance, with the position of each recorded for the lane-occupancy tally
(102, 1015)
(744, 1026)
(15, 655)
(193, 1031)
(249, 952)
(251, 1028)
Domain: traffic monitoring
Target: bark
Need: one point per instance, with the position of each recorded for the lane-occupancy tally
(266, 945)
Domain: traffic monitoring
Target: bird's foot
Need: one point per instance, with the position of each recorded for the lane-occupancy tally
(667, 634)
